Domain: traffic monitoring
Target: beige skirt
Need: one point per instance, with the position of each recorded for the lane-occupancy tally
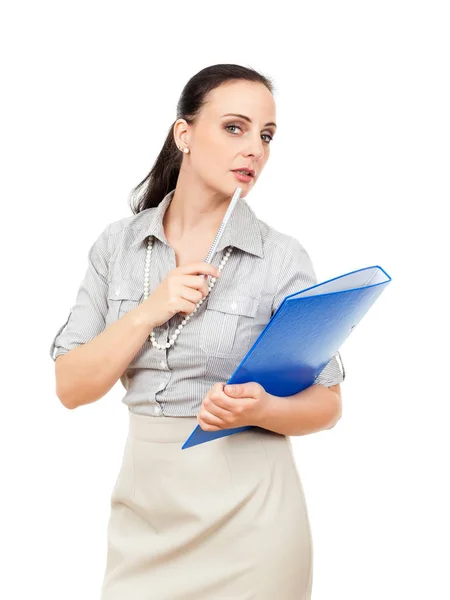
(224, 520)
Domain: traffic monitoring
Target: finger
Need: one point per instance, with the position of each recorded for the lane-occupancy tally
(196, 282)
(190, 294)
(223, 400)
(200, 267)
(216, 406)
(234, 391)
(207, 427)
(208, 421)
(243, 390)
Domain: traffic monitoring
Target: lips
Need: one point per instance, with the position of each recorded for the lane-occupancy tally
(250, 172)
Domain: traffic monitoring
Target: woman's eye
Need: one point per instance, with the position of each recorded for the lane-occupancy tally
(237, 126)
(226, 127)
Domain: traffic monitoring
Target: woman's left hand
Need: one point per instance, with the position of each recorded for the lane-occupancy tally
(224, 407)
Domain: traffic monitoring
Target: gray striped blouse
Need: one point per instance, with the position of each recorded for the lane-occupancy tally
(264, 267)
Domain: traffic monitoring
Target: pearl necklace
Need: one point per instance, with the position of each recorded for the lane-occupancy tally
(211, 284)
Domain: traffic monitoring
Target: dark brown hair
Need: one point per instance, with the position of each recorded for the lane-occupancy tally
(163, 175)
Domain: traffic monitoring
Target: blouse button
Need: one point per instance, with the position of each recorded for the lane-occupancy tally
(234, 306)
(157, 410)
(162, 364)
(117, 291)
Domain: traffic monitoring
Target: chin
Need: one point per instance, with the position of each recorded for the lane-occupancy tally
(245, 188)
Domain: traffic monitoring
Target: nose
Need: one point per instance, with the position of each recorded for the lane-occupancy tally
(257, 148)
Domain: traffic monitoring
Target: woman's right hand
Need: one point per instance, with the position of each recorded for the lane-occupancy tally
(179, 292)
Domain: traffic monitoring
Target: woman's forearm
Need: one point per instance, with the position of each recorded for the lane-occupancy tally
(311, 410)
(87, 372)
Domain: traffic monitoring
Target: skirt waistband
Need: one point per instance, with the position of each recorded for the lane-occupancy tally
(160, 429)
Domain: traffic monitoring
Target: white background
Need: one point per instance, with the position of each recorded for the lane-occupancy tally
(359, 173)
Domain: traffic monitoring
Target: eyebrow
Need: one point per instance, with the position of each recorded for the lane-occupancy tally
(246, 118)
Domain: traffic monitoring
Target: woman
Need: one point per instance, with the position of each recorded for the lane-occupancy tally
(226, 519)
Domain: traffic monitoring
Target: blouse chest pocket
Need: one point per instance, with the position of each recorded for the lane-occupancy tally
(123, 296)
(226, 325)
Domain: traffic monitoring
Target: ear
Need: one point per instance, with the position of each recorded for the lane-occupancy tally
(181, 133)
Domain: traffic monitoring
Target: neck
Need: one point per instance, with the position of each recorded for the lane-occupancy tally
(194, 210)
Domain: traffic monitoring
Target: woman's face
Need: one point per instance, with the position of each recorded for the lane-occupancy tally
(219, 144)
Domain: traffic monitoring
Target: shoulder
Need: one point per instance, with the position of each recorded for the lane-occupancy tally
(124, 230)
(131, 224)
(285, 246)
(289, 262)
(288, 259)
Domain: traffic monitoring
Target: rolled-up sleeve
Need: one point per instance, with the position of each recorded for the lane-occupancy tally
(296, 274)
(87, 316)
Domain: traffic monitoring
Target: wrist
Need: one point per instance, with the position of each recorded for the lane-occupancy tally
(141, 319)
(267, 411)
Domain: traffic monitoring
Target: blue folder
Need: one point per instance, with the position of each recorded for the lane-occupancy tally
(302, 336)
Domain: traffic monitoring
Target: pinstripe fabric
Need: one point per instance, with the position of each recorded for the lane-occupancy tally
(264, 267)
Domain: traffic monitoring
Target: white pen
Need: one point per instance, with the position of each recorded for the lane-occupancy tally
(230, 208)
